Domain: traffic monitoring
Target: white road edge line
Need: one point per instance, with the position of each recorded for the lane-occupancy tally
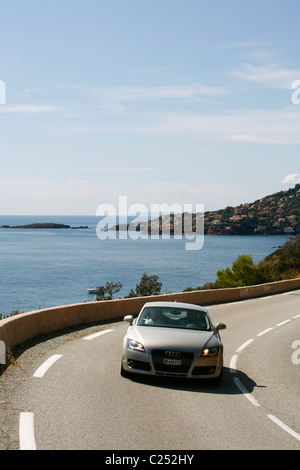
(41, 371)
(245, 392)
(26, 431)
(95, 335)
(232, 364)
(243, 346)
(284, 427)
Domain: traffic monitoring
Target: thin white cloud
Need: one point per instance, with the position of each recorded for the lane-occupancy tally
(264, 126)
(116, 170)
(293, 178)
(26, 196)
(269, 75)
(131, 93)
(27, 109)
(36, 196)
(115, 98)
(248, 125)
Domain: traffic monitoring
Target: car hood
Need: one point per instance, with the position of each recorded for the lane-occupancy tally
(172, 338)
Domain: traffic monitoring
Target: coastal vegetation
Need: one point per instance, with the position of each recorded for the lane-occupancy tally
(282, 264)
(107, 292)
(148, 285)
(14, 312)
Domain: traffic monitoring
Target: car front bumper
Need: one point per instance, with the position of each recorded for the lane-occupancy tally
(188, 365)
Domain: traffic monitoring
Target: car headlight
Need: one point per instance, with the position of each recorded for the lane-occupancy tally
(208, 352)
(135, 345)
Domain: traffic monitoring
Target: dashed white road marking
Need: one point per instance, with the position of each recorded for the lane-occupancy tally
(26, 431)
(26, 423)
(265, 331)
(41, 371)
(95, 335)
(237, 302)
(283, 322)
(243, 389)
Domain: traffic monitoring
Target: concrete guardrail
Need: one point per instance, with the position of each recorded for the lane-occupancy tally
(18, 329)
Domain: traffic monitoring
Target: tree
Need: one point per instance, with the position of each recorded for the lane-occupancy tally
(284, 263)
(106, 292)
(149, 285)
(242, 273)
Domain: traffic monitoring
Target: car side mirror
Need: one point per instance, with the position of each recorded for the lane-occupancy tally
(220, 326)
(129, 319)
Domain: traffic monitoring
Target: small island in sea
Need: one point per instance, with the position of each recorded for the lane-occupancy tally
(43, 226)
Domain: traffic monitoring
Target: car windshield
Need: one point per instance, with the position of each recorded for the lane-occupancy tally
(174, 317)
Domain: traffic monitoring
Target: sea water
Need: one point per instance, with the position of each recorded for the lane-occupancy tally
(43, 268)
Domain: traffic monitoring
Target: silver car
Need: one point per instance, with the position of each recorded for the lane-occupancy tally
(173, 339)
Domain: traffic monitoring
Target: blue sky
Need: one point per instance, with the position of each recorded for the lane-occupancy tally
(163, 101)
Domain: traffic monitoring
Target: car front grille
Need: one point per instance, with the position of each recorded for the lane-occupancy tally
(177, 362)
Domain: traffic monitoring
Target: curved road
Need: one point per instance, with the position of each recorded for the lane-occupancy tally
(75, 398)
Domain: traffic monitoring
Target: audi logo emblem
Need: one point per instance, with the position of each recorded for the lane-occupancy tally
(173, 354)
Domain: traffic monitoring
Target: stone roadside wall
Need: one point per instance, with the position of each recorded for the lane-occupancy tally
(20, 328)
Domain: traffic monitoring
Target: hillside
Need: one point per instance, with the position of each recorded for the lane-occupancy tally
(284, 263)
(277, 213)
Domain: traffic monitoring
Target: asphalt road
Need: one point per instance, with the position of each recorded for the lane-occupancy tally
(73, 397)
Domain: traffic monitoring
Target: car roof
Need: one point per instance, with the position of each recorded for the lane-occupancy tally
(174, 305)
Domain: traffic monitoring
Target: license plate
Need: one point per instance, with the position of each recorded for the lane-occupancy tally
(172, 362)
